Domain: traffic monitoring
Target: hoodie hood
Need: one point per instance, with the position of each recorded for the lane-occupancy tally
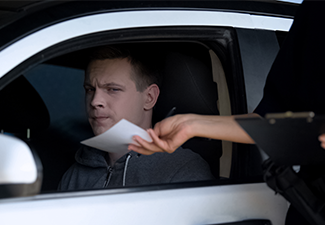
(95, 158)
(91, 157)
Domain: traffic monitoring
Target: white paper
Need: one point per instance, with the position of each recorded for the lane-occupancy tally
(117, 138)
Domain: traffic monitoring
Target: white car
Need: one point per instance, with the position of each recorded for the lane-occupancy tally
(42, 118)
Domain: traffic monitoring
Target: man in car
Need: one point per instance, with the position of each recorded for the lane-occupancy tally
(123, 82)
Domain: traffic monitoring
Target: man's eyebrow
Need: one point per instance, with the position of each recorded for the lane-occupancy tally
(105, 84)
(112, 84)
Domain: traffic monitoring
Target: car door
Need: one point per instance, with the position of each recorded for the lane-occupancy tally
(43, 56)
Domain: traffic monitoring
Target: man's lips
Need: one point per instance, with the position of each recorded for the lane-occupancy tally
(99, 118)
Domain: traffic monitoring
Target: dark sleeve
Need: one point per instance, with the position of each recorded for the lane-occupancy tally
(296, 81)
(194, 168)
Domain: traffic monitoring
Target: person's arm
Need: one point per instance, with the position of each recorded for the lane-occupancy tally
(172, 132)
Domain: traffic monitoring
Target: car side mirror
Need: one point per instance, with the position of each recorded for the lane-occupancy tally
(20, 169)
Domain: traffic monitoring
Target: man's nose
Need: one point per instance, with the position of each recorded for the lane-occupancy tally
(98, 100)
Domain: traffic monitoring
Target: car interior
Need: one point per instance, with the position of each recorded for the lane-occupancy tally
(188, 85)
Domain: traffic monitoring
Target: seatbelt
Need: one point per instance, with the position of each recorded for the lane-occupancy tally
(224, 108)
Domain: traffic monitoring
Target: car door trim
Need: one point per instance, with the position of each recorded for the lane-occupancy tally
(26, 47)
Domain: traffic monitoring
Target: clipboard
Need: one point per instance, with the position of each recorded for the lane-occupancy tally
(288, 138)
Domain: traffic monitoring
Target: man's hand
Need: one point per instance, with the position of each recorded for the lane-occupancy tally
(321, 138)
(167, 135)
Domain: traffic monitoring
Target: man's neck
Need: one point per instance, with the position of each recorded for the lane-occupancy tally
(113, 157)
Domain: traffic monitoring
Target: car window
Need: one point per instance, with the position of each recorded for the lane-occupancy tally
(258, 51)
(61, 88)
(59, 82)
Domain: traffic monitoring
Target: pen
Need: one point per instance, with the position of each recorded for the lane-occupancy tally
(171, 112)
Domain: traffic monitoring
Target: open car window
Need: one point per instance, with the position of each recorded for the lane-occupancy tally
(59, 80)
(60, 84)
(63, 59)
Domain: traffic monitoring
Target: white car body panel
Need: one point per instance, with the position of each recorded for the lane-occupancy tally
(21, 50)
(201, 205)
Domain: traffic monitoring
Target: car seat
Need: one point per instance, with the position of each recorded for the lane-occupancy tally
(188, 85)
(22, 108)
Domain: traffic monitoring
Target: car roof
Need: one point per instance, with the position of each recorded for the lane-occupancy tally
(20, 18)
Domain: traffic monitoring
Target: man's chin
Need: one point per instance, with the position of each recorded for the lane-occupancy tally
(100, 130)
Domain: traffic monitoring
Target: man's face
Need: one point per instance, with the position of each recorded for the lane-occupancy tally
(111, 95)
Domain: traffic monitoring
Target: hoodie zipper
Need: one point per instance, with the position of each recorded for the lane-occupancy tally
(108, 177)
(110, 172)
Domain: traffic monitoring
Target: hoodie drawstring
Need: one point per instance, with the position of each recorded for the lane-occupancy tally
(125, 168)
(108, 177)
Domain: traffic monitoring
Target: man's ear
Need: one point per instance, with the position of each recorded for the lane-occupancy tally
(151, 95)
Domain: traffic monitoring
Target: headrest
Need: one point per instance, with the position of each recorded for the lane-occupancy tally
(187, 85)
(22, 107)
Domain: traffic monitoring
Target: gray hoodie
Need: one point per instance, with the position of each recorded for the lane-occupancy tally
(91, 169)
